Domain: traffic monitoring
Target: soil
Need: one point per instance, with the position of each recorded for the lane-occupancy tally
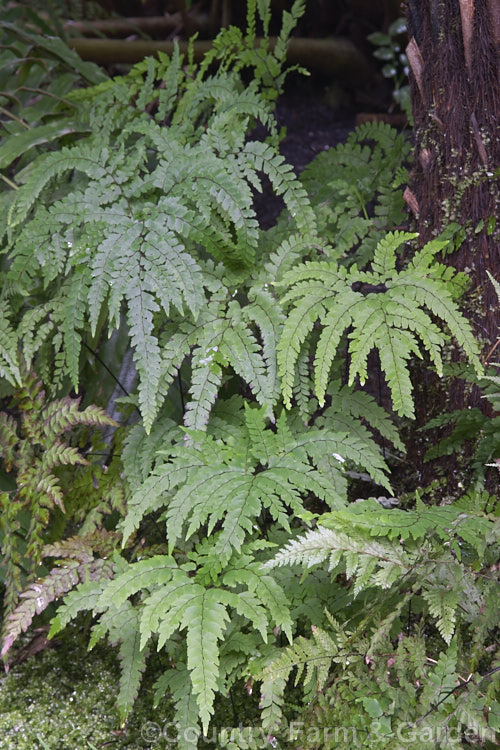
(312, 126)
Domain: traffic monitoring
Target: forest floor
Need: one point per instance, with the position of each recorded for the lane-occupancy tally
(311, 126)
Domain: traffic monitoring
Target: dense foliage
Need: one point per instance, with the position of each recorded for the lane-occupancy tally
(247, 436)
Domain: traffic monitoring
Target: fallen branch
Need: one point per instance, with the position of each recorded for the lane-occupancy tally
(334, 56)
(124, 26)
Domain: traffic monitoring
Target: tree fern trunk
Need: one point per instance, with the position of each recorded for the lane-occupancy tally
(454, 78)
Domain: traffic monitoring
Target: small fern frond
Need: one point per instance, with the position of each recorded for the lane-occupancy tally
(41, 593)
(9, 364)
(443, 605)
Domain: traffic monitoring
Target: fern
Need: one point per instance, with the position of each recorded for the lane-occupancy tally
(215, 483)
(354, 537)
(40, 594)
(132, 214)
(354, 192)
(32, 446)
(145, 205)
(389, 318)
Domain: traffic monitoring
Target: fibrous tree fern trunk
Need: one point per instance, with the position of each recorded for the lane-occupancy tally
(455, 84)
(453, 53)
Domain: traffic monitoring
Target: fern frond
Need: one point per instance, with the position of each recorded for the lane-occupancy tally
(390, 317)
(89, 159)
(443, 605)
(323, 544)
(186, 708)
(242, 350)
(139, 451)
(272, 700)
(205, 384)
(41, 593)
(9, 365)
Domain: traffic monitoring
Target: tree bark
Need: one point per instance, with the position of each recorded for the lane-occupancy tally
(454, 78)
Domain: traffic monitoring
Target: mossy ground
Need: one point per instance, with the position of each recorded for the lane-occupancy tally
(65, 699)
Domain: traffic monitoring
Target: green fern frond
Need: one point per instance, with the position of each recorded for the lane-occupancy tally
(186, 715)
(444, 521)
(389, 318)
(443, 605)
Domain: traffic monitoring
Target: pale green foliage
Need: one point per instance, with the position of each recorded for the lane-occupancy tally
(391, 316)
(215, 481)
(125, 217)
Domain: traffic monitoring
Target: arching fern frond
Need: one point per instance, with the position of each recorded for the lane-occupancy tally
(390, 318)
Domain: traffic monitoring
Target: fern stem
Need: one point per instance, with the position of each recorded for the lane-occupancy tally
(14, 117)
(103, 363)
(10, 183)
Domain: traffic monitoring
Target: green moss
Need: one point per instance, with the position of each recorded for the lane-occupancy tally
(64, 698)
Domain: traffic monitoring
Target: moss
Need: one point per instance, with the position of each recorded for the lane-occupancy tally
(64, 698)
